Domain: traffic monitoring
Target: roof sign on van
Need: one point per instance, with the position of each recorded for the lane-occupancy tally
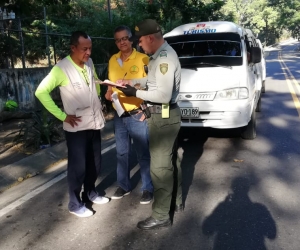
(209, 27)
(200, 28)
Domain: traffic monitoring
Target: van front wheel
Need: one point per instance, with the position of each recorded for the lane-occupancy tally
(249, 132)
(258, 105)
(263, 88)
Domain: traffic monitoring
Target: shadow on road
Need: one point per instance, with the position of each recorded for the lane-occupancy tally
(111, 171)
(239, 223)
(189, 156)
(191, 146)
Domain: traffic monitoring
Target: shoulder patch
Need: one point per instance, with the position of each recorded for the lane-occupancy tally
(163, 68)
(163, 53)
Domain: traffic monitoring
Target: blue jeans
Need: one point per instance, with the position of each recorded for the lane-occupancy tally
(127, 128)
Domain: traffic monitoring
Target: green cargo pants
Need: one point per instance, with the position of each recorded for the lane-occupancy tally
(163, 134)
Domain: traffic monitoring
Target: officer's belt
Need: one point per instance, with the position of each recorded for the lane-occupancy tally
(130, 113)
(156, 108)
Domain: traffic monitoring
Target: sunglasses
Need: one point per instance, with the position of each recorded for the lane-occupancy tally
(124, 38)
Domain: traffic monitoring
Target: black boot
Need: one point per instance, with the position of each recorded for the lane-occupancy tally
(151, 223)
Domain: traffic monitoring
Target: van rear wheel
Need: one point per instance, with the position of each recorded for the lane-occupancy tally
(249, 132)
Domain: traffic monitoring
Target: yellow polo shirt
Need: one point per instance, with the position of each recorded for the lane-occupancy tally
(134, 67)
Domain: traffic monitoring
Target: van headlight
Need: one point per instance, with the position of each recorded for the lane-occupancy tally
(232, 94)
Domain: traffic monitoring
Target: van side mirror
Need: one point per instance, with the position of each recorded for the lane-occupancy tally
(255, 55)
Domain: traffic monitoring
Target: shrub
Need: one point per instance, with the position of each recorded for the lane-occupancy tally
(39, 131)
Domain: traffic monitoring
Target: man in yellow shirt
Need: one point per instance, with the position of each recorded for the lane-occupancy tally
(131, 125)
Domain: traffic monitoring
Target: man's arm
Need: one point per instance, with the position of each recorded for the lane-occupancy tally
(109, 90)
(142, 81)
(51, 81)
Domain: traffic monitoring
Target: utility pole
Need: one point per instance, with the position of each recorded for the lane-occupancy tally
(10, 50)
(22, 44)
(47, 43)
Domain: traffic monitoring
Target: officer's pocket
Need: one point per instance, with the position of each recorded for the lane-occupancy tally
(175, 118)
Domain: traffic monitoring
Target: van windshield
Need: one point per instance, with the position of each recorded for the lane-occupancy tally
(197, 50)
(207, 48)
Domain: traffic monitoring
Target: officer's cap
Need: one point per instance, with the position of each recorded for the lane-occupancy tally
(146, 27)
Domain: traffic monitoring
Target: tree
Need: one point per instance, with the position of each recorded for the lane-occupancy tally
(258, 15)
(289, 14)
(267, 18)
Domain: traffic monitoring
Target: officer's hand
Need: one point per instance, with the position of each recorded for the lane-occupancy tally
(129, 90)
(72, 120)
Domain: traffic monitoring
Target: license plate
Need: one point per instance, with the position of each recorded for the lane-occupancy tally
(189, 112)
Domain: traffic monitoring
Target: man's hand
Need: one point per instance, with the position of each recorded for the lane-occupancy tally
(108, 94)
(72, 120)
(129, 90)
(123, 82)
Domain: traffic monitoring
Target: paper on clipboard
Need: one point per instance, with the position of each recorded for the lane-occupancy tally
(118, 106)
(110, 83)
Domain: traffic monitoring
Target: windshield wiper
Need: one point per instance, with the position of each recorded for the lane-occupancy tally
(218, 65)
(190, 67)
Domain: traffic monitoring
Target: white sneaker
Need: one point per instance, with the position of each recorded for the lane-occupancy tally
(101, 200)
(82, 212)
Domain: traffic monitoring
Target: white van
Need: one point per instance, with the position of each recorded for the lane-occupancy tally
(259, 68)
(262, 67)
(219, 81)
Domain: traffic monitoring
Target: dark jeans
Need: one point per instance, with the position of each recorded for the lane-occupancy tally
(127, 128)
(84, 165)
(163, 135)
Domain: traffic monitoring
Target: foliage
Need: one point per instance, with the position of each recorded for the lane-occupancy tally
(169, 13)
(9, 46)
(267, 18)
(40, 130)
(258, 15)
(289, 15)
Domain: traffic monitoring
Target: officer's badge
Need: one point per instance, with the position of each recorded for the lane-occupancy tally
(136, 28)
(163, 68)
(163, 53)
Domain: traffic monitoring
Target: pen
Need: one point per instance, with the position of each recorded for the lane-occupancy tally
(124, 76)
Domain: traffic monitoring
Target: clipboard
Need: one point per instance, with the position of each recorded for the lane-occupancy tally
(109, 83)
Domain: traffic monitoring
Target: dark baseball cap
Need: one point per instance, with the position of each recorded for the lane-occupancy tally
(146, 27)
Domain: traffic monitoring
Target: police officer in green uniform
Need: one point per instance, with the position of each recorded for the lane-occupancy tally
(162, 87)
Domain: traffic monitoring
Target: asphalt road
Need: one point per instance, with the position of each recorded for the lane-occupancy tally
(239, 194)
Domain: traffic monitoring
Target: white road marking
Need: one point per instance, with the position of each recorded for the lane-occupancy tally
(31, 194)
(40, 189)
(108, 148)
